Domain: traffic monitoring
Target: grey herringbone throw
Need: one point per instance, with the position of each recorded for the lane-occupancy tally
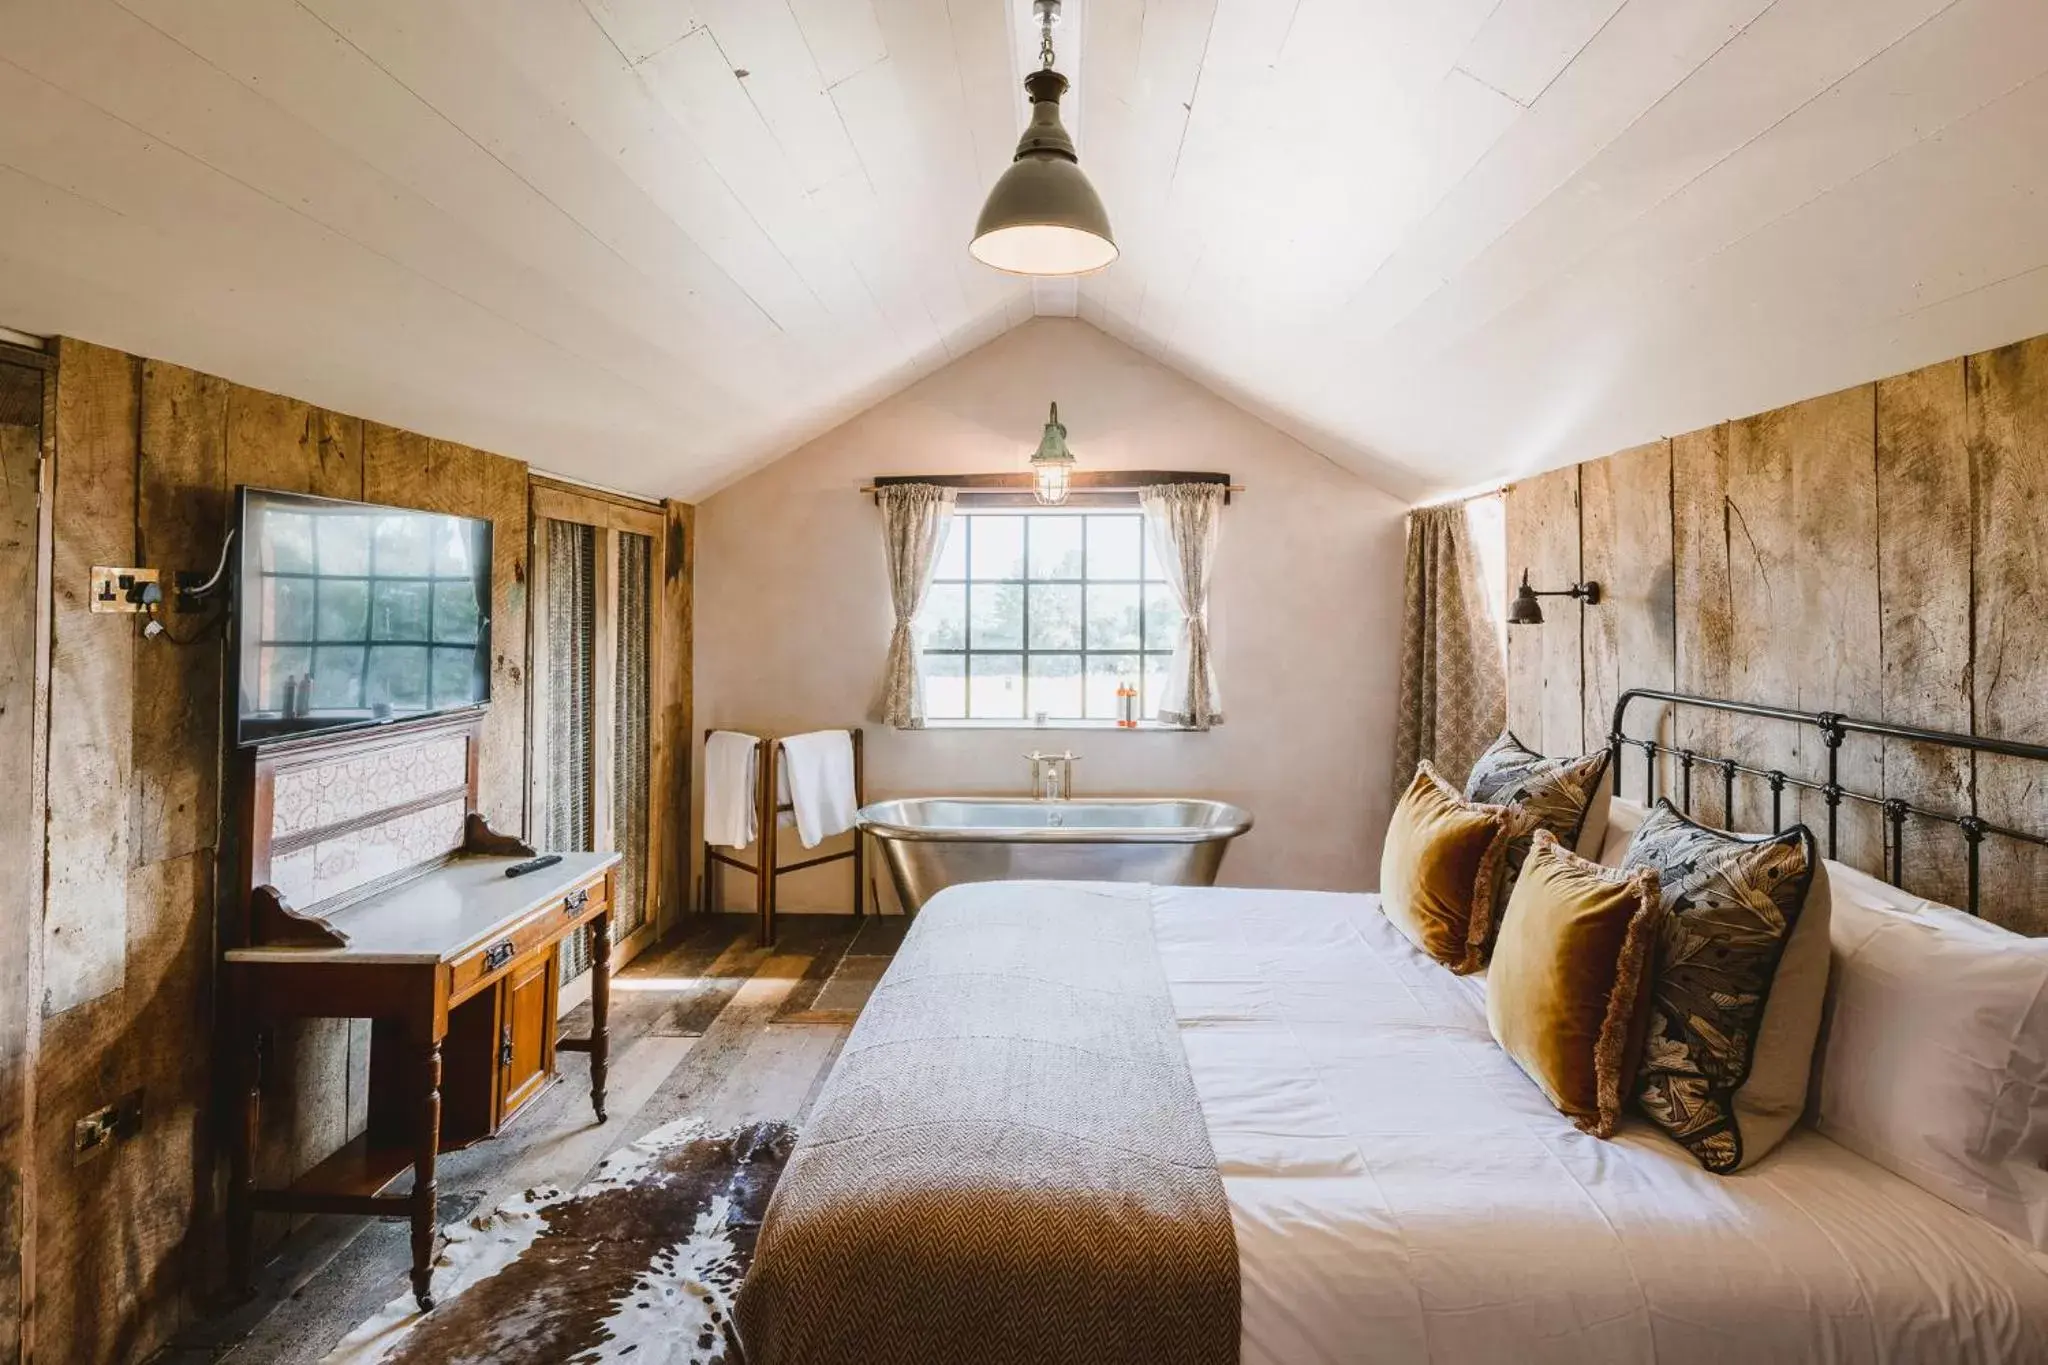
(1008, 1165)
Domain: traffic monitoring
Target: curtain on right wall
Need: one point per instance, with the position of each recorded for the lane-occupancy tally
(1453, 688)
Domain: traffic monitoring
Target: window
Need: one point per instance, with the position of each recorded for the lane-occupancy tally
(1045, 612)
(1486, 523)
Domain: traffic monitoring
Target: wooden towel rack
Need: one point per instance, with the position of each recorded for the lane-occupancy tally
(767, 769)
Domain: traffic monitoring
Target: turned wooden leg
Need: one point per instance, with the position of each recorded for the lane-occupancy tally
(242, 1160)
(425, 1147)
(600, 1007)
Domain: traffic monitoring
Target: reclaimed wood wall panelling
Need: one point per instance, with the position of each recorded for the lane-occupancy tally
(147, 454)
(1926, 514)
(1703, 606)
(1805, 543)
(92, 679)
(1625, 529)
(122, 1236)
(1766, 643)
(1545, 702)
(1877, 552)
(2008, 435)
(182, 510)
(22, 640)
(1838, 510)
(293, 447)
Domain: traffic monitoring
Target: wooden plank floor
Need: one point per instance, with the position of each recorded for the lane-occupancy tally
(708, 1025)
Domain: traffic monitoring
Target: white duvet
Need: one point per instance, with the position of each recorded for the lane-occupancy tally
(1402, 1193)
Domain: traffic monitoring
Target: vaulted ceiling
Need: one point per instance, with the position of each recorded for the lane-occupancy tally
(654, 243)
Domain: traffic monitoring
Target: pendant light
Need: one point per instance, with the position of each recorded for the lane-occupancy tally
(1043, 217)
(1052, 463)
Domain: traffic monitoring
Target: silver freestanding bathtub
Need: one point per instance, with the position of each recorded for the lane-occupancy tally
(932, 842)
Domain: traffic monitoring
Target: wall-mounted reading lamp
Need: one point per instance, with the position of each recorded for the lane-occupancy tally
(1526, 611)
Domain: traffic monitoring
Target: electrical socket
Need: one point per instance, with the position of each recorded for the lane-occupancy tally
(126, 590)
(101, 1128)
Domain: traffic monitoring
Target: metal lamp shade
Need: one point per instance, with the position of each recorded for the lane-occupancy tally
(1043, 217)
(1525, 610)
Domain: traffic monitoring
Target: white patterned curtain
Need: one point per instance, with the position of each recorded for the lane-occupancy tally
(1184, 522)
(1453, 691)
(915, 517)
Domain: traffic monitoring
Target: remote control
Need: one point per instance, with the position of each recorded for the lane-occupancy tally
(533, 864)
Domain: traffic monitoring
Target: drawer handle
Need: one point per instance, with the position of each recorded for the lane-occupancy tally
(575, 901)
(497, 955)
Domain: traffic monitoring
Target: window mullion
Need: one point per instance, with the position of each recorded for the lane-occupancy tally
(1024, 641)
(1144, 616)
(967, 624)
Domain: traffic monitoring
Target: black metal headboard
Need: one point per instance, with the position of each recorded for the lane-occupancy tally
(1833, 729)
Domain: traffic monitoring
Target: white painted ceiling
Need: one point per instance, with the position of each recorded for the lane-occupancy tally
(1444, 242)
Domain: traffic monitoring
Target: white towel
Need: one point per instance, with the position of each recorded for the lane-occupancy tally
(730, 784)
(820, 771)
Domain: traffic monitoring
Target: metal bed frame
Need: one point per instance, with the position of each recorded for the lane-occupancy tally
(767, 768)
(1834, 728)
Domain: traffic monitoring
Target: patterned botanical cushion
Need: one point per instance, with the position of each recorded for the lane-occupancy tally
(1566, 796)
(1737, 986)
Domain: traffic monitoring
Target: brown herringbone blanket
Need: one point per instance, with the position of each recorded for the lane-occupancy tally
(1008, 1164)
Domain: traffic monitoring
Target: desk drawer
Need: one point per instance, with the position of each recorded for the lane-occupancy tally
(537, 931)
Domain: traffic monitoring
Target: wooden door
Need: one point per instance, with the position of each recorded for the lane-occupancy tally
(598, 656)
(24, 672)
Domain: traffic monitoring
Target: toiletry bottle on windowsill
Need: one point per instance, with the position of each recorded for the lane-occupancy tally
(1126, 705)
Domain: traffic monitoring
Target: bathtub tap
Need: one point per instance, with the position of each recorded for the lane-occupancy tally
(1052, 775)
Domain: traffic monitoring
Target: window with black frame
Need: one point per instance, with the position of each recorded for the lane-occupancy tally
(1045, 612)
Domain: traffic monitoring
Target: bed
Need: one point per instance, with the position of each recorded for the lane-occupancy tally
(1397, 1190)
(1106, 1122)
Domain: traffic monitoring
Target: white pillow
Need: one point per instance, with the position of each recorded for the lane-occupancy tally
(1934, 1056)
(1624, 818)
(1593, 829)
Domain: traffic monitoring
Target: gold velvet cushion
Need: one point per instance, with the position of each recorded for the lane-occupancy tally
(1738, 984)
(1441, 868)
(1566, 995)
(1567, 796)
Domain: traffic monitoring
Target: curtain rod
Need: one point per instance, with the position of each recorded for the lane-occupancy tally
(1498, 490)
(1089, 480)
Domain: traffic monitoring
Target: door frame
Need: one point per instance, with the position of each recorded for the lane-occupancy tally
(608, 514)
(26, 723)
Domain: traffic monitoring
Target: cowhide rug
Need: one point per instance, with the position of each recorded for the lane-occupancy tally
(640, 1264)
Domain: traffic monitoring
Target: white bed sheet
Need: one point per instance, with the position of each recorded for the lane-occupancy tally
(1402, 1193)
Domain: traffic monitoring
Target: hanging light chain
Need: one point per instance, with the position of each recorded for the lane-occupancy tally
(1048, 15)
